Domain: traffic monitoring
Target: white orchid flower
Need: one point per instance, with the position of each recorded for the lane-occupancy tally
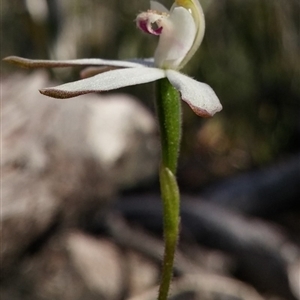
(180, 32)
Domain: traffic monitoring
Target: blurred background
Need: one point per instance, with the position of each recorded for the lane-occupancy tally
(81, 205)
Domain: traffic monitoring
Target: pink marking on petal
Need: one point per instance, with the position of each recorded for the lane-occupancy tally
(144, 26)
(158, 31)
(198, 111)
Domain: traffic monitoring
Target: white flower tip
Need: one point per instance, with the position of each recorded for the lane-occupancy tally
(203, 112)
(198, 95)
(207, 104)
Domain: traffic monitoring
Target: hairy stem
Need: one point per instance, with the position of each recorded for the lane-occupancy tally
(169, 116)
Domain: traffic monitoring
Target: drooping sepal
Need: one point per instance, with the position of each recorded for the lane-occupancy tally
(198, 95)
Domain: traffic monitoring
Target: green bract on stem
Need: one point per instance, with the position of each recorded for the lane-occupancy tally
(168, 107)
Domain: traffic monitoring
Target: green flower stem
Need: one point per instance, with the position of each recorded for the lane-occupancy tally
(168, 107)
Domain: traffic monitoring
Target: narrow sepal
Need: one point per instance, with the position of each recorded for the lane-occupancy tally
(105, 82)
(41, 63)
(198, 95)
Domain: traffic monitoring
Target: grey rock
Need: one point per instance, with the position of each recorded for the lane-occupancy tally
(63, 159)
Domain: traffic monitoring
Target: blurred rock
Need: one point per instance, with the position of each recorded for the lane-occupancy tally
(71, 266)
(99, 262)
(127, 130)
(63, 161)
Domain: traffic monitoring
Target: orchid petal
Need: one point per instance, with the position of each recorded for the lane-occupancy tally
(199, 96)
(176, 39)
(196, 10)
(158, 7)
(39, 63)
(105, 82)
